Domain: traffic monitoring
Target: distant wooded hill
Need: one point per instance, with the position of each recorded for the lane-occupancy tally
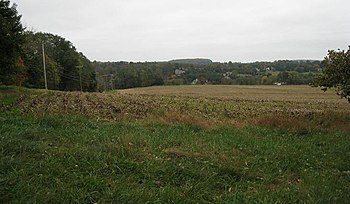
(121, 75)
(197, 61)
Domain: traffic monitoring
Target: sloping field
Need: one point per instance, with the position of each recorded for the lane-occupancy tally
(268, 92)
(127, 147)
(202, 105)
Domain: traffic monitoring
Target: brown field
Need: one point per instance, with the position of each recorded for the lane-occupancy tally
(296, 107)
(261, 92)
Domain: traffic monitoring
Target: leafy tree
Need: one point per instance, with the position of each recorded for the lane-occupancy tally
(64, 65)
(33, 61)
(283, 76)
(11, 39)
(336, 73)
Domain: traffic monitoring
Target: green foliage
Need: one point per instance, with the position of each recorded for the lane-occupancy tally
(336, 73)
(11, 41)
(65, 66)
(124, 75)
(182, 72)
(21, 57)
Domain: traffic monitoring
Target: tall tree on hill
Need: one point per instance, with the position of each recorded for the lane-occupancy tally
(11, 40)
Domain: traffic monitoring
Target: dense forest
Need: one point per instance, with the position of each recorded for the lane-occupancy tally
(23, 53)
(121, 75)
(66, 68)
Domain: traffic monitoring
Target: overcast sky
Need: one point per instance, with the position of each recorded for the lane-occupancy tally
(222, 30)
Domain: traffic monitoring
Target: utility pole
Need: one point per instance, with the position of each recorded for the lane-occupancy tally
(80, 70)
(42, 46)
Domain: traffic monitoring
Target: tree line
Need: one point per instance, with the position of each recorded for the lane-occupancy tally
(129, 74)
(21, 57)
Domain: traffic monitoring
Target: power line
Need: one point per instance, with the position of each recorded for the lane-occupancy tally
(66, 77)
(84, 78)
(70, 76)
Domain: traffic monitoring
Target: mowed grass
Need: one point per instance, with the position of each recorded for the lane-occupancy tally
(168, 147)
(63, 159)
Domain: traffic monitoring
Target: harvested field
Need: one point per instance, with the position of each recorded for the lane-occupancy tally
(203, 105)
(261, 92)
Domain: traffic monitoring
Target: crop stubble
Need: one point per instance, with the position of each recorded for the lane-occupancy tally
(211, 105)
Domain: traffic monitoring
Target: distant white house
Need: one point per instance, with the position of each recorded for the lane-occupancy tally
(280, 83)
(269, 69)
(199, 81)
(227, 75)
(179, 72)
(195, 81)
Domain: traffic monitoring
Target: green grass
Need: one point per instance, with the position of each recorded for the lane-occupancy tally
(11, 95)
(62, 159)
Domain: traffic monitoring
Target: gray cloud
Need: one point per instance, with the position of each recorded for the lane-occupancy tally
(223, 30)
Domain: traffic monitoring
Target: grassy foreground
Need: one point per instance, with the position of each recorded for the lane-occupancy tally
(71, 159)
(58, 147)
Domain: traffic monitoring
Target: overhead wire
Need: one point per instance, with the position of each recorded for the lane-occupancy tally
(83, 80)
(67, 76)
